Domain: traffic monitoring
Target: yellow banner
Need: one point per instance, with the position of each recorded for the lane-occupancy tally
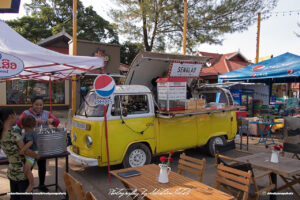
(264, 58)
(5, 3)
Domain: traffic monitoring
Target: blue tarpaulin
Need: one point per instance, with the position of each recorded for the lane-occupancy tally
(283, 66)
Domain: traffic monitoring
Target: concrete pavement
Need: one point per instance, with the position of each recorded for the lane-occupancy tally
(95, 179)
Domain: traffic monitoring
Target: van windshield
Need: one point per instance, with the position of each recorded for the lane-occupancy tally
(88, 107)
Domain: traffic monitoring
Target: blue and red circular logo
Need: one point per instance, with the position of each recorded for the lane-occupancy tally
(104, 86)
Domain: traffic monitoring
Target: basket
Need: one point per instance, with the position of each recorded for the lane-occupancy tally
(51, 141)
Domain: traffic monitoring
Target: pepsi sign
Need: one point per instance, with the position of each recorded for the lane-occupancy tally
(10, 65)
(104, 86)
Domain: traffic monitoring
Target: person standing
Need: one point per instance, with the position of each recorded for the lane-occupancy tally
(11, 142)
(44, 119)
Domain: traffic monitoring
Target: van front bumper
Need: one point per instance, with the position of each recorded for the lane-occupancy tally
(82, 160)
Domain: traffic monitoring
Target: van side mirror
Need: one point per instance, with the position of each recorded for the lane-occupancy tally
(124, 112)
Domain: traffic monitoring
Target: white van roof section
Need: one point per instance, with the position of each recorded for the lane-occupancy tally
(125, 89)
(149, 65)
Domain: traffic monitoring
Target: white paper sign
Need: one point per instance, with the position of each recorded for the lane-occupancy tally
(10, 65)
(180, 69)
(171, 90)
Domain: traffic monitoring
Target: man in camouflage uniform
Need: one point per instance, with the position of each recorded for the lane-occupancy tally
(15, 171)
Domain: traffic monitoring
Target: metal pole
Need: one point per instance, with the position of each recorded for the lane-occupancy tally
(184, 27)
(257, 38)
(50, 90)
(74, 54)
(107, 148)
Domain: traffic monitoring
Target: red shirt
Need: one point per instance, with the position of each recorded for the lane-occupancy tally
(45, 117)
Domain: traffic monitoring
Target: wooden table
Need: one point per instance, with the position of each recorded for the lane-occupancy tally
(179, 187)
(287, 167)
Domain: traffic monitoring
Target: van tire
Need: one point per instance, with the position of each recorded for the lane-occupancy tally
(140, 151)
(210, 145)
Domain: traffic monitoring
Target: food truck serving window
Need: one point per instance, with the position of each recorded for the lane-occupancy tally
(88, 107)
(134, 104)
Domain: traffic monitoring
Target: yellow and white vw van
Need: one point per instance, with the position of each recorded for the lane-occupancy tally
(136, 132)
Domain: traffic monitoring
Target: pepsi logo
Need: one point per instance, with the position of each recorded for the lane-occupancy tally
(253, 75)
(290, 71)
(258, 67)
(104, 86)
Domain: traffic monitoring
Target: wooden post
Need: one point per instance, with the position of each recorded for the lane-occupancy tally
(74, 54)
(184, 27)
(257, 38)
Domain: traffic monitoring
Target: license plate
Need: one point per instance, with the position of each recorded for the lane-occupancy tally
(79, 125)
(75, 149)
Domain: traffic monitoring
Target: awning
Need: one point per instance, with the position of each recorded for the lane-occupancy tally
(42, 64)
(283, 66)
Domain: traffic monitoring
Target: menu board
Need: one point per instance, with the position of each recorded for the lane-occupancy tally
(171, 90)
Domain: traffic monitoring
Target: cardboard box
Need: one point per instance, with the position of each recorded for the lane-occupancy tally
(191, 104)
(200, 103)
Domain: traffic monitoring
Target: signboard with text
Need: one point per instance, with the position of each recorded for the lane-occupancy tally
(9, 6)
(185, 69)
(10, 65)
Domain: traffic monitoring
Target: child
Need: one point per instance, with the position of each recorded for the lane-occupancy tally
(30, 140)
(11, 143)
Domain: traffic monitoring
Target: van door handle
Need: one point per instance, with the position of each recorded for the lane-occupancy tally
(149, 124)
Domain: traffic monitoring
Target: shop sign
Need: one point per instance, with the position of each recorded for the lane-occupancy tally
(104, 86)
(9, 6)
(10, 65)
(185, 69)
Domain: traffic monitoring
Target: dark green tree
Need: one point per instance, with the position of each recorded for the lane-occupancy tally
(50, 16)
(128, 52)
(31, 28)
(159, 23)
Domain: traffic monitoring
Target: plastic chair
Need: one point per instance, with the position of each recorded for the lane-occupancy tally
(192, 165)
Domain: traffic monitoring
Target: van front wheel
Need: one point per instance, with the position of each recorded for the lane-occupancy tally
(137, 155)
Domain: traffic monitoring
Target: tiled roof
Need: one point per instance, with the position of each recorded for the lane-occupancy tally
(223, 63)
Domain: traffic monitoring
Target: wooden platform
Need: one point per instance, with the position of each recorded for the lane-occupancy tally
(213, 109)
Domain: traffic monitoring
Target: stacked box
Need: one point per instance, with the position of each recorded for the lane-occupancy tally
(195, 104)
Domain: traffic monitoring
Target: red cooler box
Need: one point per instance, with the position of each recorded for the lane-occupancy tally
(241, 114)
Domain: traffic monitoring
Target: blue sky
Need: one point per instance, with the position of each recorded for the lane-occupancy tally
(277, 33)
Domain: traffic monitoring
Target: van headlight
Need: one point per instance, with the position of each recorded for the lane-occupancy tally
(88, 141)
(74, 137)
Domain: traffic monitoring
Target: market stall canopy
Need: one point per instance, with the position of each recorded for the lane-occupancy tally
(39, 63)
(149, 65)
(285, 65)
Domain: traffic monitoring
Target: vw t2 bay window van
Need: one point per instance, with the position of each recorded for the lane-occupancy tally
(137, 130)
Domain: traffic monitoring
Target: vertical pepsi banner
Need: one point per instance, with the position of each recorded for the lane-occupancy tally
(105, 86)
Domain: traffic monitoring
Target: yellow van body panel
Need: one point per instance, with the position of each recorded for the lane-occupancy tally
(122, 134)
(160, 134)
(95, 133)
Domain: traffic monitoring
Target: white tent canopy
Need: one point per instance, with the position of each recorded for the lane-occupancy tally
(41, 63)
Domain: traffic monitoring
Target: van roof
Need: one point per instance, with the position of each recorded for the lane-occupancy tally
(125, 89)
(131, 89)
